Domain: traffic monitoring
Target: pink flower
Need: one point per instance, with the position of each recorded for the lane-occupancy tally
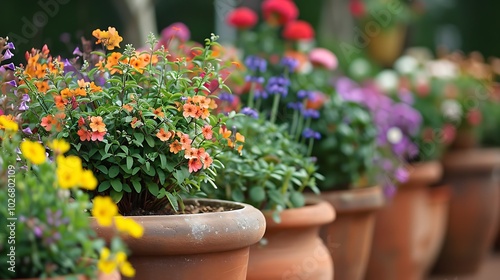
(474, 117)
(324, 58)
(242, 18)
(98, 136)
(176, 30)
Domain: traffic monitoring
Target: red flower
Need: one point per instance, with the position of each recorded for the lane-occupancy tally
(279, 12)
(357, 8)
(474, 117)
(298, 30)
(242, 17)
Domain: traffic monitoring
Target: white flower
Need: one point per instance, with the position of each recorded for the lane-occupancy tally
(359, 68)
(387, 80)
(451, 109)
(394, 135)
(406, 65)
(442, 68)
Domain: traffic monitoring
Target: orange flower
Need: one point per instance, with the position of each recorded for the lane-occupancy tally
(164, 135)
(98, 135)
(60, 102)
(207, 132)
(205, 113)
(225, 132)
(113, 58)
(42, 86)
(207, 160)
(66, 93)
(190, 110)
(175, 147)
(185, 141)
(79, 92)
(97, 125)
(240, 138)
(158, 113)
(240, 148)
(205, 102)
(110, 39)
(194, 165)
(190, 153)
(94, 88)
(84, 134)
(128, 107)
(48, 122)
(230, 143)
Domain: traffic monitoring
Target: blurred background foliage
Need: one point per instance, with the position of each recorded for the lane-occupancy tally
(459, 24)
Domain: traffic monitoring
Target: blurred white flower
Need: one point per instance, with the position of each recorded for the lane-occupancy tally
(421, 54)
(394, 135)
(451, 109)
(387, 80)
(406, 65)
(359, 68)
(442, 68)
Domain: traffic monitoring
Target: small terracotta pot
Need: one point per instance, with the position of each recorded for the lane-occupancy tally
(349, 237)
(403, 240)
(292, 248)
(214, 246)
(386, 46)
(473, 214)
(101, 276)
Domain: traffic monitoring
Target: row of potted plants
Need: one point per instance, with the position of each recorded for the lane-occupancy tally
(268, 125)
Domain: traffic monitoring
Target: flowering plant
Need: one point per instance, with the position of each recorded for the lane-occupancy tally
(384, 13)
(48, 232)
(142, 122)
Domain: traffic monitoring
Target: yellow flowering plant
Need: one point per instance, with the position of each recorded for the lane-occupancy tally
(48, 231)
(140, 120)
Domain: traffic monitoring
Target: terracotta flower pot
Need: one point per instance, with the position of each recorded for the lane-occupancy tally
(473, 214)
(188, 246)
(349, 237)
(403, 238)
(466, 138)
(386, 46)
(292, 249)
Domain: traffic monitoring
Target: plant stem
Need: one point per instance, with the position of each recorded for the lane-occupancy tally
(274, 111)
(251, 95)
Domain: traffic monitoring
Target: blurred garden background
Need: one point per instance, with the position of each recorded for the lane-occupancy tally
(456, 24)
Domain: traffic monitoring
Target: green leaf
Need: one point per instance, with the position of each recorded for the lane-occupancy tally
(135, 170)
(103, 186)
(150, 141)
(139, 137)
(116, 196)
(113, 171)
(163, 161)
(117, 185)
(125, 149)
(106, 148)
(257, 194)
(153, 188)
(237, 195)
(102, 168)
(173, 201)
(161, 176)
(130, 162)
(137, 185)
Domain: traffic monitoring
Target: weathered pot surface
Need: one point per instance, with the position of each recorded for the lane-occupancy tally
(215, 245)
(292, 248)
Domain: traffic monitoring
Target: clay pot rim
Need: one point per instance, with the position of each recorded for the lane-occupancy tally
(476, 160)
(355, 200)
(316, 212)
(423, 173)
(185, 234)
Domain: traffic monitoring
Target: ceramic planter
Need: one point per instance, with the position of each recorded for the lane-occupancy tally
(405, 234)
(292, 249)
(386, 46)
(188, 246)
(112, 276)
(473, 214)
(349, 237)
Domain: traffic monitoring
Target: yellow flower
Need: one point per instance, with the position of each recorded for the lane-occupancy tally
(8, 124)
(88, 180)
(110, 39)
(105, 264)
(59, 146)
(104, 210)
(69, 171)
(125, 267)
(33, 151)
(129, 226)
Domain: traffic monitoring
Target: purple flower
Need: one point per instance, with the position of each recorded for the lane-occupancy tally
(278, 85)
(255, 63)
(301, 94)
(406, 97)
(7, 54)
(176, 30)
(254, 79)
(310, 113)
(11, 46)
(77, 51)
(295, 105)
(24, 106)
(260, 94)
(290, 63)
(401, 174)
(226, 96)
(309, 133)
(9, 66)
(389, 189)
(27, 130)
(250, 112)
(12, 83)
(37, 231)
